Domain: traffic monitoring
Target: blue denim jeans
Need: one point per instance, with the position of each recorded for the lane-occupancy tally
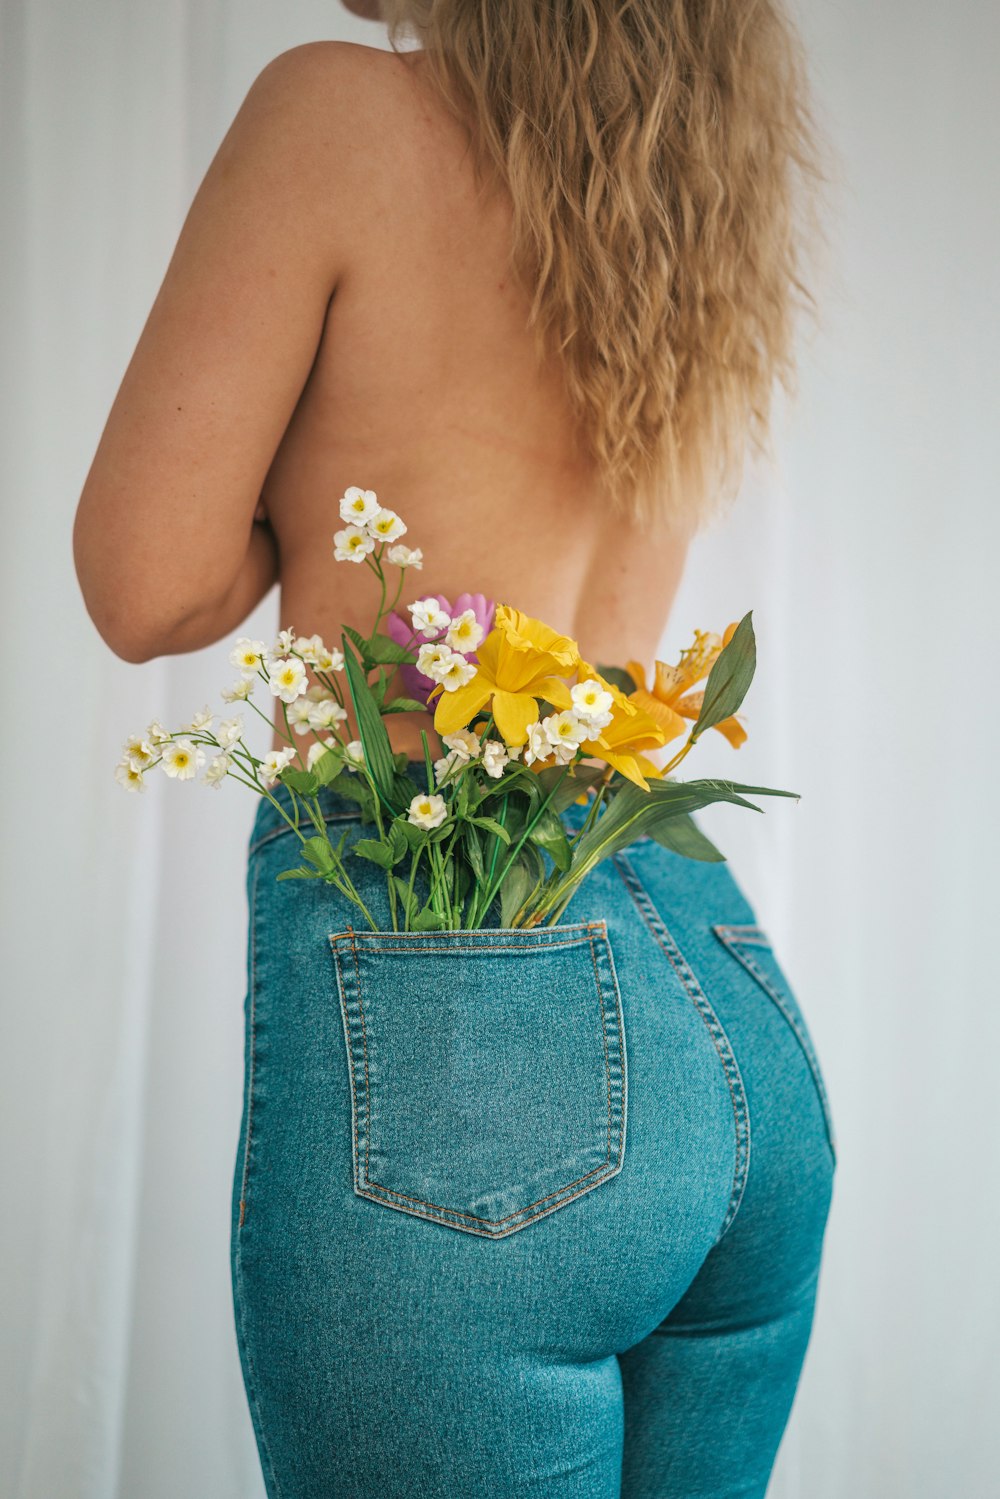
(523, 1213)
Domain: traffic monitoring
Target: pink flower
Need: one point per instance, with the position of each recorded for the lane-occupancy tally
(400, 627)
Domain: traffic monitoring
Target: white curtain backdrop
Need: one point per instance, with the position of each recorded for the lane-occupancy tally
(869, 557)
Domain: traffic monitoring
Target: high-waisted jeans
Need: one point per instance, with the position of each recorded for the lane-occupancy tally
(523, 1212)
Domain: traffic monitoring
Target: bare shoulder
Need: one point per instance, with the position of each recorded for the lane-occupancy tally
(325, 69)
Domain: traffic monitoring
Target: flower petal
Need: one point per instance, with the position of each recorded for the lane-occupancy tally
(513, 712)
(454, 709)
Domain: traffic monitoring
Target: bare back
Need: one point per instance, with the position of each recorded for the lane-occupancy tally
(425, 388)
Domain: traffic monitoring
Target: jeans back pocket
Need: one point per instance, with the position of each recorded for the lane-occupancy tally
(487, 1070)
(751, 946)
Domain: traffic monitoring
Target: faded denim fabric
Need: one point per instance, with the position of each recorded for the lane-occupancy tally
(523, 1213)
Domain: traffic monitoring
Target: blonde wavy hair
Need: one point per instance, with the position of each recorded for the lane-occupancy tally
(661, 157)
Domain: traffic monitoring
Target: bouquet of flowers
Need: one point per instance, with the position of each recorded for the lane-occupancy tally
(528, 727)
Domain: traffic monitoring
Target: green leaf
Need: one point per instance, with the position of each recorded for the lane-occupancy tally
(415, 837)
(519, 881)
(318, 851)
(571, 785)
(359, 640)
(404, 705)
(327, 767)
(474, 852)
(619, 677)
(493, 826)
(729, 678)
(548, 833)
(427, 920)
(374, 849)
(298, 874)
(684, 836)
(371, 729)
(303, 781)
(382, 650)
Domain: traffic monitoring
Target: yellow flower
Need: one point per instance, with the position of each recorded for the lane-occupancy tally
(669, 702)
(629, 732)
(520, 660)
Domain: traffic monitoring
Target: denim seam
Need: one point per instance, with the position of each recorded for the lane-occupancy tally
(732, 938)
(279, 832)
(379, 1193)
(730, 1067)
(251, 1376)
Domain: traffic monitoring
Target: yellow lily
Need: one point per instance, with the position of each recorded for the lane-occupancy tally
(669, 702)
(629, 732)
(520, 660)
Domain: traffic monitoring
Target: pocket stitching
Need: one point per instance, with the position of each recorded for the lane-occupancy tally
(732, 936)
(730, 1067)
(252, 1070)
(609, 1167)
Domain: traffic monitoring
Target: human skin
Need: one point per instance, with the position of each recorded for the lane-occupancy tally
(398, 360)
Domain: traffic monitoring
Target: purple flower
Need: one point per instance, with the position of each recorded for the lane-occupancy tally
(415, 683)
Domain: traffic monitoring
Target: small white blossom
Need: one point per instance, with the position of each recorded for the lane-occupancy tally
(401, 555)
(288, 678)
(354, 754)
(325, 714)
(566, 728)
(465, 632)
(284, 643)
(274, 763)
(358, 505)
(239, 692)
(495, 757)
(156, 733)
(307, 647)
(217, 768)
(385, 525)
(592, 703)
(199, 721)
(464, 741)
(319, 748)
(352, 544)
(330, 659)
(138, 752)
(446, 764)
(129, 776)
(229, 731)
(247, 655)
(538, 745)
(434, 661)
(428, 617)
(427, 810)
(182, 759)
(458, 672)
(298, 715)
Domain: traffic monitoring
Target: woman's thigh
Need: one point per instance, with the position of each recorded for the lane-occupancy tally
(475, 1180)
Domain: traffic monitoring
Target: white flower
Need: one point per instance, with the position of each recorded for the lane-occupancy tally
(138, 752)
(217, 768)
(403, 556)
(464, 741)
(428, 617)
(592, 703)
(129, 776)
(325, 714)
(434, 661)
(156, 733)
(385, 525)
(446, 764)
(199, 721)
(307, 647)
(298, 715)
(229, 731)
(495, 757)
(538, 745)
(427, 810)
(565, 728)
(458, 672)
(239, 692)
(274, 763)
(287, 679)
(354, 754)
(182, 759)
(358, 505)
(247, 655)
(352, 544)
(284, 642)
(330, 660)
(465, 632)
(319, 748)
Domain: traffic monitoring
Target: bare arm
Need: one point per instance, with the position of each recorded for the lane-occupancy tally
(165, 544)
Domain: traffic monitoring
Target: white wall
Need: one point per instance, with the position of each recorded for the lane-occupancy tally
(868, 558)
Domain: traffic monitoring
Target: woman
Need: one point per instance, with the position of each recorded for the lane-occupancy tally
(513, 1212)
